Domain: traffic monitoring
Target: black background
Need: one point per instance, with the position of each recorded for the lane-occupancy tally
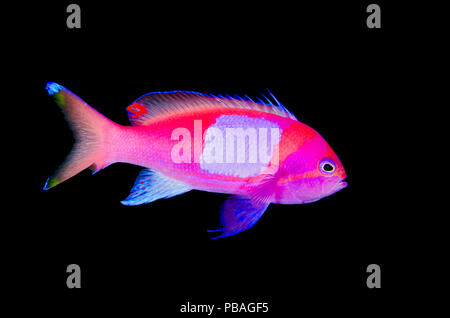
(320, 60)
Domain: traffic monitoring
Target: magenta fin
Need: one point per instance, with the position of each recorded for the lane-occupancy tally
(238, 214)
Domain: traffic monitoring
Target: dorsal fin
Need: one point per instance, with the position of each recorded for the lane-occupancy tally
(157, 104)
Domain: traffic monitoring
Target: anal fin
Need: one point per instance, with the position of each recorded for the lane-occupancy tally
(152, 185)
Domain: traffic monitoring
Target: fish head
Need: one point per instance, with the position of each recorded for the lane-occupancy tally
(315, 171)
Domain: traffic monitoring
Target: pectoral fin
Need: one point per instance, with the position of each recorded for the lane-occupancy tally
(263, 193)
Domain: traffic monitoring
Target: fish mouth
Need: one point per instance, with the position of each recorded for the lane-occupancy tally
(340, 185)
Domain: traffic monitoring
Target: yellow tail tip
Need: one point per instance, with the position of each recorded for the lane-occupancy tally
(51, 182)
(54, 89)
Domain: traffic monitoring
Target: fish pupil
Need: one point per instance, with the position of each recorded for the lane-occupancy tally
(327, 167)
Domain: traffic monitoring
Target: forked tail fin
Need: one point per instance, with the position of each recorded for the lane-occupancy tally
(90, 129)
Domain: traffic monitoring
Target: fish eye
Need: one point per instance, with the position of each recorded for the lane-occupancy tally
(327, 166)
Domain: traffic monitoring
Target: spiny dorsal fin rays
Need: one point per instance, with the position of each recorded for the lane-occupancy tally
(159, 104)
(268, 100)
(278, 104)
(249, 99)
(259, 100)
(276, 100)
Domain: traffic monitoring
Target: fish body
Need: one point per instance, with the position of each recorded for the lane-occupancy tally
(259, 153)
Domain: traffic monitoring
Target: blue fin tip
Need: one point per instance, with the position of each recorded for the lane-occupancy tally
(53, 88)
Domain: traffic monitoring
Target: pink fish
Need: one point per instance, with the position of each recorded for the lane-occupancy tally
(257, 152)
